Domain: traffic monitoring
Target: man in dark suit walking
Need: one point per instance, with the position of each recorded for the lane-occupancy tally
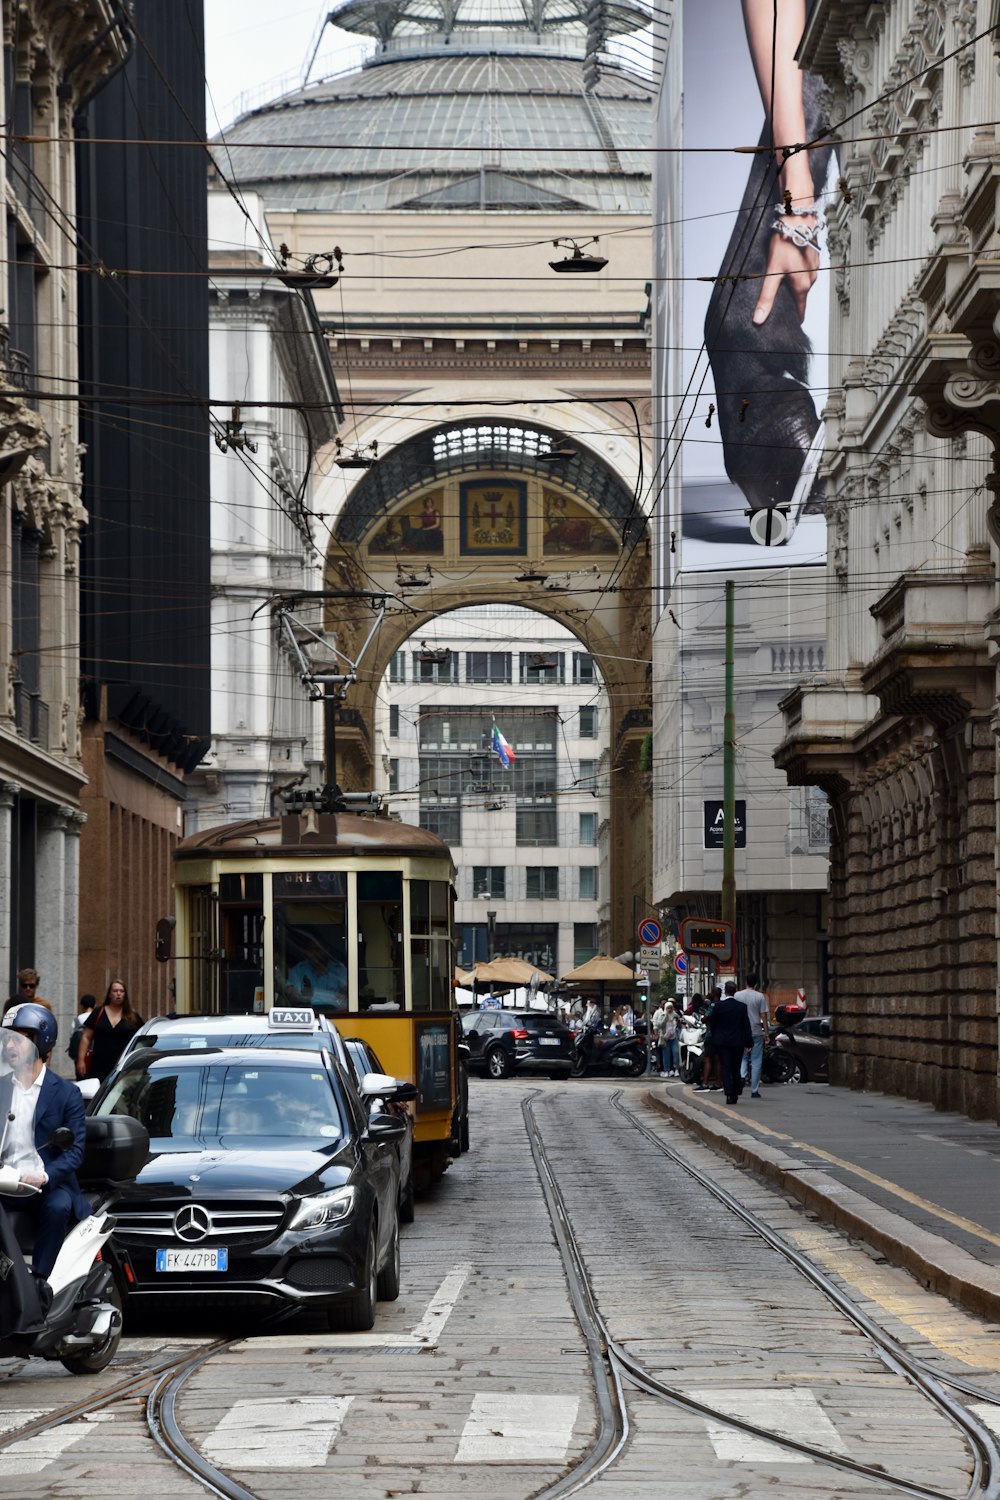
(732, 1034)
(35, 1102)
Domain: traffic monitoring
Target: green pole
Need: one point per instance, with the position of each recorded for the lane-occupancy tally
(729, 769)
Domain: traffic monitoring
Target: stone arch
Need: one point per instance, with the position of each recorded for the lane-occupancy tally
(470, 511)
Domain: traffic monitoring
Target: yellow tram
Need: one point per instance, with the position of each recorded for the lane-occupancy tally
(349, 914)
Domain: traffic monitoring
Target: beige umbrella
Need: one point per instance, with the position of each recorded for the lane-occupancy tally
(503, 971)
(600, 971)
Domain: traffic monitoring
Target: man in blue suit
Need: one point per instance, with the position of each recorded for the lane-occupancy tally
(35, 1102)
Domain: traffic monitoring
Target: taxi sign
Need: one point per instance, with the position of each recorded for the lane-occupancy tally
(286, 1018)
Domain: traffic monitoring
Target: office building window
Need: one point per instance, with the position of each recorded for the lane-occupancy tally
(588, 829)
(394, 719)
(542, 883)
(588, 723)
(584, 670)
(584, 942)
(489, 880)
(446, 822)
(435, 666)
(588, 883)
(587, 779)
(542, 666)
(397, 667)
(487, 666)
(394, 775)
(536, 826)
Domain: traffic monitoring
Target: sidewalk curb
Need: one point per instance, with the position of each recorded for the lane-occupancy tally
(933, 1260)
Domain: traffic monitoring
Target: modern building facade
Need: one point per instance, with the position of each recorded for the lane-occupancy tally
(524, 835)
(147, 430)
(55, 58)
(266, 344)
(508, 402)
(901, 727)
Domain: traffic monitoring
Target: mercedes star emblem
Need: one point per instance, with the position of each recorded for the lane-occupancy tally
(192, 1222)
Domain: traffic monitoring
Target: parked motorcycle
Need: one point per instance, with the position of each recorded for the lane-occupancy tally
(692, 1048)
(75, 1314)
(598, 1051)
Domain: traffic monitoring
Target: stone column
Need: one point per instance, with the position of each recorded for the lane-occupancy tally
(71, 948)
(8, 795)
(55, 921)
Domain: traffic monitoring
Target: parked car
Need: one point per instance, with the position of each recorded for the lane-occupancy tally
(808, 1042)
(297, 1027)
(507, 1041)
(393, 1102)
(268, 1182)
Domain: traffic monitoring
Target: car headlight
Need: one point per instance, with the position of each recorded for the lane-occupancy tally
(323, 1208)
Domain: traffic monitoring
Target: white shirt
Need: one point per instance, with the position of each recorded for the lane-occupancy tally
(19, 1147)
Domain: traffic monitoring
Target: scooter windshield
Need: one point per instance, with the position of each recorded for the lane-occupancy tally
(20, 1065)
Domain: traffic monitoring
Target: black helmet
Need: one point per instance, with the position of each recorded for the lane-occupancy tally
(30, 1016)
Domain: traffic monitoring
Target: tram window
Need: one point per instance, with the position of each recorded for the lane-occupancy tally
(430, 904)
(310, 953)
(380, 939)
(431, 970)
(241, 890)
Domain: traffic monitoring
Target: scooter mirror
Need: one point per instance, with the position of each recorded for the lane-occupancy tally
(61, 1139)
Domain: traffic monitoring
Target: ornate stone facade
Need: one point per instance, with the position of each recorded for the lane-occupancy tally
(902, 730)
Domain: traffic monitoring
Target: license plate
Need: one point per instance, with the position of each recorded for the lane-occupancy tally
(549, 1041)
(192, 1260)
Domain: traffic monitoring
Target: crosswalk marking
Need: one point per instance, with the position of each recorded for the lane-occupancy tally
(278, 1433)
(425, 1334)
(518, 1429)
(32, 1454)
(793, 1413)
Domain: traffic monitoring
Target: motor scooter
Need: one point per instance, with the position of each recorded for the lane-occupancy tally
(74, 1315)
(692, 1048)
(598, 1051)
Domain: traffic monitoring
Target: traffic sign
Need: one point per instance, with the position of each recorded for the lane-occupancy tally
(680, 962)
(770, 527)
(649, 958)
(650, 933)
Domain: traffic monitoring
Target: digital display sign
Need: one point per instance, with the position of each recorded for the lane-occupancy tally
(708, 939)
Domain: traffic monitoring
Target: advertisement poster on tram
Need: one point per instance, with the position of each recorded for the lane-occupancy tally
(755, 299)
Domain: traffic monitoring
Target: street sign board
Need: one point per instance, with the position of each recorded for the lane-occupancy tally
(649, 958)
(650, 933)
(680, 963)
(770, 527)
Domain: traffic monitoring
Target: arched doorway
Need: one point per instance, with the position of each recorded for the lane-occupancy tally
(491, 509)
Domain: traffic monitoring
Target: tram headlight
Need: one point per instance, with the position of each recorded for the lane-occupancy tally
(323, 1208)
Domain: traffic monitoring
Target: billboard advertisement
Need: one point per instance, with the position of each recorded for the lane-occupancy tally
(755, 300)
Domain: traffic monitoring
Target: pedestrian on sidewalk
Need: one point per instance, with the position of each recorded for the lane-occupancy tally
(711, 1073)
(733, 1036)
(670, 1052)
(28, 981)
(756, 1003)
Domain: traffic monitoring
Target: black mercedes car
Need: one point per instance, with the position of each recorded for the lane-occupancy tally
(268, 1182)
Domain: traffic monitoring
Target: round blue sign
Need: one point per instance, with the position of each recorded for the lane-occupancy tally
(650, 933)
(680, 962)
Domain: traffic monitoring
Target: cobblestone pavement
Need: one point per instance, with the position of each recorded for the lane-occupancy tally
(477, 1380)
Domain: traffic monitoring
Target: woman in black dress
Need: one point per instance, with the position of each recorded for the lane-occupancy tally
(106, 1033)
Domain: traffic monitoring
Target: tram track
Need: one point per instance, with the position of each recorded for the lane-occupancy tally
(614, 1367)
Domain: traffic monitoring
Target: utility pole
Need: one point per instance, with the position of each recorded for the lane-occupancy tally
(729, 768)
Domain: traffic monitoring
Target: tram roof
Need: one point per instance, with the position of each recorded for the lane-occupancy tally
(312, 835)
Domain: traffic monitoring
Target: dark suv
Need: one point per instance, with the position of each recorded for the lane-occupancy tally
(508, 1041)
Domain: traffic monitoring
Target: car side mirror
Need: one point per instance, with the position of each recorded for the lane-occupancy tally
(386, 1128)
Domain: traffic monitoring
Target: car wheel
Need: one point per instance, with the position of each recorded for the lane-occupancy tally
(357, 1314)
(780, 1066)
(387, 1285)
(98, 1359)
(799, 1074)
(497, 1063)
(407, 1200)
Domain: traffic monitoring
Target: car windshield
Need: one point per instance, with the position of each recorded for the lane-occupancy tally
(194, 1041)
(232, 1103)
